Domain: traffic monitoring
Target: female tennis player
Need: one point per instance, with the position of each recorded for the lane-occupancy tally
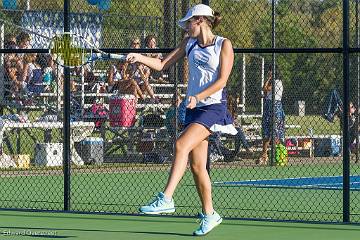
(210, 62)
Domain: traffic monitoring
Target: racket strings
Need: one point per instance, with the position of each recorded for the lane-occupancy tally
(68, 50)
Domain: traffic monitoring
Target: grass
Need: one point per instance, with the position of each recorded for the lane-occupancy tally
(319, 125)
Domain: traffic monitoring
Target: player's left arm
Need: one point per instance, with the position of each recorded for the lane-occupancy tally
(226, 64)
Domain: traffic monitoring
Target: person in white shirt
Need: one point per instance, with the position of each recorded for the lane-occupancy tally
(267, 123)
(211, 60)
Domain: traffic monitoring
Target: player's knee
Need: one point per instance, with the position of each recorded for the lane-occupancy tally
(178, 147)
(196, 168)
(181, 147)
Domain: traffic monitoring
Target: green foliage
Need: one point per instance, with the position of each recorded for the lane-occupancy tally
(248, 24)
(301, 24)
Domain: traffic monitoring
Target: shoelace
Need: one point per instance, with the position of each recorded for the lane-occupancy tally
(157, 201)
(202, 219)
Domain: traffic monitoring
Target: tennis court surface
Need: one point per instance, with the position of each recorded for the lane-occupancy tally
(323, 183)
(50, 225)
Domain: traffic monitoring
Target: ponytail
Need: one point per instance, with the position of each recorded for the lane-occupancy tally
(216, 20)
(213, 22)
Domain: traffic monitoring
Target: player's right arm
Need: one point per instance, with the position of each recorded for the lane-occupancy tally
(160, 64)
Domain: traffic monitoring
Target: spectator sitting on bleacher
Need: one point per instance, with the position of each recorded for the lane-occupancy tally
(32, 73)
(12, 68)
(155, 76)
(23, 42)
(150, 42)
(89, 77)
(14, 65)
(46, 63)
(114, 75)
(28, 67)
(141, 73)
(335, 109)
(120, 77)
(120, 81)
(10, 41)
(12, 73)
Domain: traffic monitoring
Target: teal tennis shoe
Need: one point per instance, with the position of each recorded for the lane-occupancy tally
(207, 223)
(159, 205)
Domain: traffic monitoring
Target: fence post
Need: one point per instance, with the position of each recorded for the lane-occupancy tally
(346, 153)
(66, 149)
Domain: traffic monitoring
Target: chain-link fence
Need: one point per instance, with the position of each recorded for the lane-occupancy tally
(123, 118)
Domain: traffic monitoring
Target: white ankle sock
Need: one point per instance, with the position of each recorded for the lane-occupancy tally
(167, 199)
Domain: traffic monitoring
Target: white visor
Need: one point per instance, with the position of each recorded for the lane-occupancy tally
(197, 10)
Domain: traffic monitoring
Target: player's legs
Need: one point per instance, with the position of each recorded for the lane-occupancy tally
(209, 219)
(198, 162)
(194, 135)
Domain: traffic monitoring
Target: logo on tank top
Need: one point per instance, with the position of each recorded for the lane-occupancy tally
(203, 63)
(200, 60)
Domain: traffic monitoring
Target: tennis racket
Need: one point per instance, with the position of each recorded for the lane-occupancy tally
(70, 49)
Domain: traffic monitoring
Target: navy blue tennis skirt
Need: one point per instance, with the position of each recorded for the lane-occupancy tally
(215, 117)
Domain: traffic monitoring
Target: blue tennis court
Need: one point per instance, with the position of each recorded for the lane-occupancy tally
(327, 183)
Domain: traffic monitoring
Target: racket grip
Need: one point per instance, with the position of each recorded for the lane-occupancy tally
(107, 56)
(96, 56)
(117, 56)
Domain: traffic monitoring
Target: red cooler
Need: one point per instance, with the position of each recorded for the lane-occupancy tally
(122, 110)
